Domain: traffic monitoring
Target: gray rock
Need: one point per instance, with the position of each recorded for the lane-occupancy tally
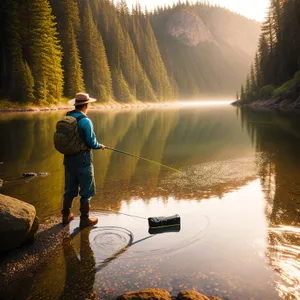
(18, 223)
(188, 28)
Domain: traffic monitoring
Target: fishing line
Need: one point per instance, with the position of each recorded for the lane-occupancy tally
(145, 159)
(128, 215)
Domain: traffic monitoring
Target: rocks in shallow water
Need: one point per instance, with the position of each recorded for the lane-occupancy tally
(43, 174)
(32, 174)
(18, 223)
(160, 294)
(29, 174)
(149, 294)
(193, 295)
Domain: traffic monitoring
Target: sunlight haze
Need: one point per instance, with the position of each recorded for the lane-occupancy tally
(254, 9)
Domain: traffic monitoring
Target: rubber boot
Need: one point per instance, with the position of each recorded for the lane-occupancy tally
(85, 220)
(67, 217)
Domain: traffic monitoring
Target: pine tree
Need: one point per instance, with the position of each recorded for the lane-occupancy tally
(45, 52)
(97, 74)
(242, 93)
(121, 88)
(22, 82)
(74, 78)
(67, 14)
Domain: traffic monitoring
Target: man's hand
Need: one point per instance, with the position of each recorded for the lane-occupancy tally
(102, 147)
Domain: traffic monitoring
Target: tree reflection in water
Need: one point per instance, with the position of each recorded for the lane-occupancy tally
(277, 135)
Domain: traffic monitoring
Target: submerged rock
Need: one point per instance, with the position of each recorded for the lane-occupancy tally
(149, 294)
(18, 223)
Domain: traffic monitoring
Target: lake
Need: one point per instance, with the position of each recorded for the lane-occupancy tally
(238, 196)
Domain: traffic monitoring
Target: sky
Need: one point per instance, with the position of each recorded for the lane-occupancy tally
(253, 9)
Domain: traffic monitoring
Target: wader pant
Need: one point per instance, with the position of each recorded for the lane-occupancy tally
(79, 178)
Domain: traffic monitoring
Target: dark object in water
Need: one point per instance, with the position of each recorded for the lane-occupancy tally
(165, 229)
(29, 174)
(164, 221)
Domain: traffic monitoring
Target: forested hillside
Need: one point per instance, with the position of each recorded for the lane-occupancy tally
(275, 70)
(52, 49)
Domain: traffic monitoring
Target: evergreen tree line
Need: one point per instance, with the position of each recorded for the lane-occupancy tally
(52, 49)
(56, 48)
(277, 62)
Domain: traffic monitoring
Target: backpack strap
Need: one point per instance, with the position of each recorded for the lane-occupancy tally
(78, 118)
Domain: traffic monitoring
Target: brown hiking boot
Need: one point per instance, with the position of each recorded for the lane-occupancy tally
(85, 220)
(67, 219)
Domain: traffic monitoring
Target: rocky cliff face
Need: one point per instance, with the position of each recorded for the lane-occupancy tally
(188, 29)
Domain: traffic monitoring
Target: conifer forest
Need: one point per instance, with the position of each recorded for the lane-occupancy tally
(275, 69)
(53, 49)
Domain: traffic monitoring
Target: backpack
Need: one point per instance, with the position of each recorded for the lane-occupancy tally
(66, 138)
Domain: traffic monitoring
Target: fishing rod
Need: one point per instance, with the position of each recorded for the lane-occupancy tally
(145, 159)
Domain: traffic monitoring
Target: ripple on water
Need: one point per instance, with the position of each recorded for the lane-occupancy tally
(109, 242)
(284, 256)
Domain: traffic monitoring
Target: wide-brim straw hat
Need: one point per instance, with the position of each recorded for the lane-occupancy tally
(81, 98)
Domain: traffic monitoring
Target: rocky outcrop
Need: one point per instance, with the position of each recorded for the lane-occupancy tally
(18, 223)
(188, 28)
(160, 294)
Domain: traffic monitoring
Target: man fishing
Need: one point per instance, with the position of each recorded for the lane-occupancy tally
(75, 138)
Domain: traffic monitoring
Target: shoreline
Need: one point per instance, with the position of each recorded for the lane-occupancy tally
(281, 103)
(107, 106)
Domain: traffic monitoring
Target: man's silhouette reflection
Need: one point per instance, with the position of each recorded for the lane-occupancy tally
(80, 275)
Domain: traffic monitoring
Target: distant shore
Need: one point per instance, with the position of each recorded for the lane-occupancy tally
(65, 107)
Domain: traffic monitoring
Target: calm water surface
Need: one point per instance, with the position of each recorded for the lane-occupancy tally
(238, 196)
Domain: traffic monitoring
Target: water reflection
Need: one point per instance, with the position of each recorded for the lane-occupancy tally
(179, 138)
(80, 271)
(277, 135)
(221, 255)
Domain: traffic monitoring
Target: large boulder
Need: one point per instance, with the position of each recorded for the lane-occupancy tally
(18, 223)
(146, 294)
(193, 295)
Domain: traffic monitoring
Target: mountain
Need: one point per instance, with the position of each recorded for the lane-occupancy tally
(207, 49)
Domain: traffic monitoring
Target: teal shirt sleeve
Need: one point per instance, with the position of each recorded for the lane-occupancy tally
(87, 129)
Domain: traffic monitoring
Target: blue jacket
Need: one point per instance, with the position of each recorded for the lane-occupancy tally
(86, 132)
